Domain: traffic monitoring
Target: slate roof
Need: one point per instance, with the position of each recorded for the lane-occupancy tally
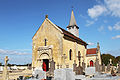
(70, 36)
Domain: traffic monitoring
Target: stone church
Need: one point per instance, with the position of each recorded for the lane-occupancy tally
(53, 42)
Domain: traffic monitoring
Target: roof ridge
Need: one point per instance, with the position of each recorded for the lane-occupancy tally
(75, 37)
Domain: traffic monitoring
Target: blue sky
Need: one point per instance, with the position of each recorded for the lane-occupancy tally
(98, 21)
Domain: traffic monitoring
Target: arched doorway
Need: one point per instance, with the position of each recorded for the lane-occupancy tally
(45, 65)
(45, 61)
(91, 63)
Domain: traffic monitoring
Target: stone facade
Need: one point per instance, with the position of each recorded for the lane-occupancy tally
(51, 41)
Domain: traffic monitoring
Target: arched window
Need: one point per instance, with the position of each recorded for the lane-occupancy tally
(70, 54)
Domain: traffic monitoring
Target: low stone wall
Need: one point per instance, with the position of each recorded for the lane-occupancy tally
(15, 74)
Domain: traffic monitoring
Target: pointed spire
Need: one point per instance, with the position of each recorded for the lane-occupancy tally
(98, 46)
(72, 19)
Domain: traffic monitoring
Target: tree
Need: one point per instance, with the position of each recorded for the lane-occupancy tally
(0, 64)
(118, 59)
(106, 59)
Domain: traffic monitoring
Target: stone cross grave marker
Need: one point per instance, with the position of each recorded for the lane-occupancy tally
(108, 67)
(103, 67)
(52, 67)
(5, 71)
(79, 69)
(110, 61)
(112, 71)
(97, 66)
(64, 57)
(119, 67)
(83, 65)
(6, 61)
(74, 66)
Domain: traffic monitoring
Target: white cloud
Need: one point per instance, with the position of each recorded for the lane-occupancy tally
(101, 28)
(115, 27)
(109, 6)
(13, 52)
(89, 23)
(90, 43)
(113, 7)
(96, 11)
(116, 37)
(110, 28)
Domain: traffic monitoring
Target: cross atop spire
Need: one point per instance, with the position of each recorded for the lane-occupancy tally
(72, 19)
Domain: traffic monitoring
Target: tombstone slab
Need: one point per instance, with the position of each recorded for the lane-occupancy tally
(64, 74)
(39, 74)
(90, 71)
(80, 77)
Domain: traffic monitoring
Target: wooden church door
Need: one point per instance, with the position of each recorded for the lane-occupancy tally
(91, 63)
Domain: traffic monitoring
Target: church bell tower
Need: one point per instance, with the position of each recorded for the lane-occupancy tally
(72, 27)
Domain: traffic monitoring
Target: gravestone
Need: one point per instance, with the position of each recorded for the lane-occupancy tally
(108, 67)
(112, 72)
(90, 71)
(5, 71)
(39, 74)
(103, 68)
(64, 58)
(52, 68)
(70, 75)
(110, 62)
(64, 74)
(74, 66)
(83, 65)
(97, 66)
(80, 77)
(59, 74)
(118, 68)
(79, 69)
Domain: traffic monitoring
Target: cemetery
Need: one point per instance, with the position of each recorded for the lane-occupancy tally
(99, 72)
(59, 54)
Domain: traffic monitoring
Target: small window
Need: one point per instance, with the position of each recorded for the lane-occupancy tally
(70, 54)
(45, 42)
